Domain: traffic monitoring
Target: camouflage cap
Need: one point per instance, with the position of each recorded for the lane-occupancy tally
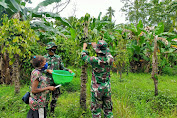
(50, 45)
(101, 47)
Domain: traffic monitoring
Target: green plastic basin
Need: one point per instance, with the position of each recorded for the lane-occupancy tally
(62, 77)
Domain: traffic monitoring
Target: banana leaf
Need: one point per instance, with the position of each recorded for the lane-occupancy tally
(159, 29)
(52, 15)
(45, 3)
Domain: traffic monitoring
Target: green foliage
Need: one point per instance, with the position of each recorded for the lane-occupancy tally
(136, 92)
(12, 105)
(171, 71)
(51, 15)
(150, 12)
(132, 98)
(16, 38)
(26, 66)
(122, 55)
(159, 29)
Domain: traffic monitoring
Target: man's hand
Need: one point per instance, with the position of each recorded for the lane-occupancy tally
(84, 46)
(49, 71)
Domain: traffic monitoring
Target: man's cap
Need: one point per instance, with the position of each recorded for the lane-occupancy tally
(101, 47)
(50, 45)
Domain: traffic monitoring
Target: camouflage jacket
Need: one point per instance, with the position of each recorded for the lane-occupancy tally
(100, 67)
(55, 62)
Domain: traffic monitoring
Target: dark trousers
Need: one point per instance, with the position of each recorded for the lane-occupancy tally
(55, 95)
(37, 113)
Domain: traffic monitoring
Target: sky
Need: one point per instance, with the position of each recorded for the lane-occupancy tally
(93, 7)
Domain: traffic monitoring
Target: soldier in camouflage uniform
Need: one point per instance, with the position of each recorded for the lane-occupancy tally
(100, 83)
(54, 63)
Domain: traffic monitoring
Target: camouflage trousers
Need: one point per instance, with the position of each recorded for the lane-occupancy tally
(55, 95)
(101, 99)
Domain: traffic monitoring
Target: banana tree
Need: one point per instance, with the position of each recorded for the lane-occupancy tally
(84, 76)
(13, 8)
(139, 44)
(84, 30)
(162, 49)
(47, 30)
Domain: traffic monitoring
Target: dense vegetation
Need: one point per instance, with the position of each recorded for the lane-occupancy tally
(149, 40)
(133, 97)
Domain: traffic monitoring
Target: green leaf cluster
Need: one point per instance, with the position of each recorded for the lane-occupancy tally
(16, 37)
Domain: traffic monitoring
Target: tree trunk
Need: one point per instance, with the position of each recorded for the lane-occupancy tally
(147, 68)
(155, 67)
(1, 78)
(84, 75)
(16, 74)
(5, 71)
(7, 75)
(83, 95)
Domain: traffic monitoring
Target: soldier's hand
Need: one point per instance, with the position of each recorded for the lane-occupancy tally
(49, 71)
(93, 44)
(51, 88)
(84, 46)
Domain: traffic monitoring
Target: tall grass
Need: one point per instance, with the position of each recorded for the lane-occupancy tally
(133, 97)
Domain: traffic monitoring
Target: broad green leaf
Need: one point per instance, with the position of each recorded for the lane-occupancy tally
(99, 16)
(41, 25)
(73, 33)
(136, 59)
(95, 31)
(4, 4)
(159, 29)
(87, 16)
(23, 3)
(93, 23)
(15, 39)
(45, 3)
(133, 29)
(11, 62)
(52, 15)
(162, 50)
(145, 58)
(167, 34)
(170, 50)
(139, 27)
(16, 5)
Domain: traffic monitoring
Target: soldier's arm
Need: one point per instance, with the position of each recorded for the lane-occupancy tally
(86, 58)
(110, 58)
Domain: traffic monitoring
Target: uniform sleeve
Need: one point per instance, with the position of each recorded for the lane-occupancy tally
(110, 58)
(88, 59)
(62, 67)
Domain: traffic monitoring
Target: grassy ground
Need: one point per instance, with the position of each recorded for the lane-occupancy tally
(133, 97)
